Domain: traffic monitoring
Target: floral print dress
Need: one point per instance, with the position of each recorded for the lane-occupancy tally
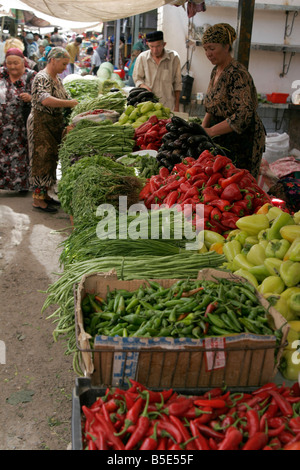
(234, 98)
(14, 160)
(45, 128)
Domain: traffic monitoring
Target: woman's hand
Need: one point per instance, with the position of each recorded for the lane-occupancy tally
(72, 103)
(26, 97)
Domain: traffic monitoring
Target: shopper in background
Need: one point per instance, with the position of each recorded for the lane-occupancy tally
(32, 47)
(73, 49)
(95, 62)
(18, 44)
(231, 102)
(137, 48)
(102, 50)
(56, 39)
(15, 95)
(45, 127)
(158, 70)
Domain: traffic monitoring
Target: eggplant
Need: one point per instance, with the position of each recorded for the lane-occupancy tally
(205, 146)
(195, 127)
(182, 130)
(179, 122)
(185, 136)
(196, 139)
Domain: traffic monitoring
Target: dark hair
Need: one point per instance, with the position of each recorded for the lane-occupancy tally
(79, 40)
(89, 50)
(122, 38)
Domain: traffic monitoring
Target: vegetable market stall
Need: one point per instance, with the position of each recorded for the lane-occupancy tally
(236, 210)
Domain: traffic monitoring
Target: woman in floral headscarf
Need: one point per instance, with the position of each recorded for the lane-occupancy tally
(15, 96)
(231, 103)
(46, 125)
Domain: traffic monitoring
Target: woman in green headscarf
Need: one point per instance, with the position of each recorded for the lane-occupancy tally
(45, 126)
(231, 102)
(137, 48)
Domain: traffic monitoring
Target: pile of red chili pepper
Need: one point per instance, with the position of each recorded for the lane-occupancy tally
(138, 418)
(226, 192)
(149, 135)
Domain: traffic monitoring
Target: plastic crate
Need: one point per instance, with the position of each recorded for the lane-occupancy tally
(278, 97)
(84, 393)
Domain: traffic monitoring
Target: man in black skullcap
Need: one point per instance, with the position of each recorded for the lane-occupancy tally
(159, 70)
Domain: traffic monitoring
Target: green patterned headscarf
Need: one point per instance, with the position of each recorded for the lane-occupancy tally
(221, 33)
(58, 53)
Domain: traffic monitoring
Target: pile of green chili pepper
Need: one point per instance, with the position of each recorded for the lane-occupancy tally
(189, 308)
(141, 419)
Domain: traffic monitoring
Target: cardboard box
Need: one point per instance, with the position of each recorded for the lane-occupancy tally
(242, 360)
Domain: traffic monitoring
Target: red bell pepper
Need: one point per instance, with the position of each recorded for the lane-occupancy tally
(222, 204)
(220, 162)
(232, 192)
(235, 178)
(215, 214)
(214, 178)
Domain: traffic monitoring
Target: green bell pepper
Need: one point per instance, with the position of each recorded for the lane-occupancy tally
(290, 363)
(272, 284)
(296, 217)
(253, 224)
(209, 237)
(256, 255)
(231, 249)
(273, 265)
(277, 248)
(259, 272)
(294, 303)
(273, 212)
(281, 220)
(290, 273)
(239, 235)
(247, 275)
(240, 262)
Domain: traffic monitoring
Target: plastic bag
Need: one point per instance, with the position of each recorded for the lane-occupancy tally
(277, 146)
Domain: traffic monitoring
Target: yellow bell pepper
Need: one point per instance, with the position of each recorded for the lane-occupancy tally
(273, 265)
(245, 274)
(290, 232)
(295, 325)
(277, 248)
(240, 262)
(272, 284)
(290, 273)
(209, 237)
(296, 217)
(280, 304)
(293, 252)
(231, 249)
(256, 255)
(265, 208)
(290, 291)
(290, 362)
(253, 224)
(217, 247)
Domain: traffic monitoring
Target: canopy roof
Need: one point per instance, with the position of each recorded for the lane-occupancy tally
(94, 10)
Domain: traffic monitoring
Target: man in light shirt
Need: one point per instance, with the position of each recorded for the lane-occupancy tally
(158, 70)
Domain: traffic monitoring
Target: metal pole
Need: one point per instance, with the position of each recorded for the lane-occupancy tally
(244, 31)
(117, 42)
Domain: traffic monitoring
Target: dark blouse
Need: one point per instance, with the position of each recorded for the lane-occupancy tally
(234, 98)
